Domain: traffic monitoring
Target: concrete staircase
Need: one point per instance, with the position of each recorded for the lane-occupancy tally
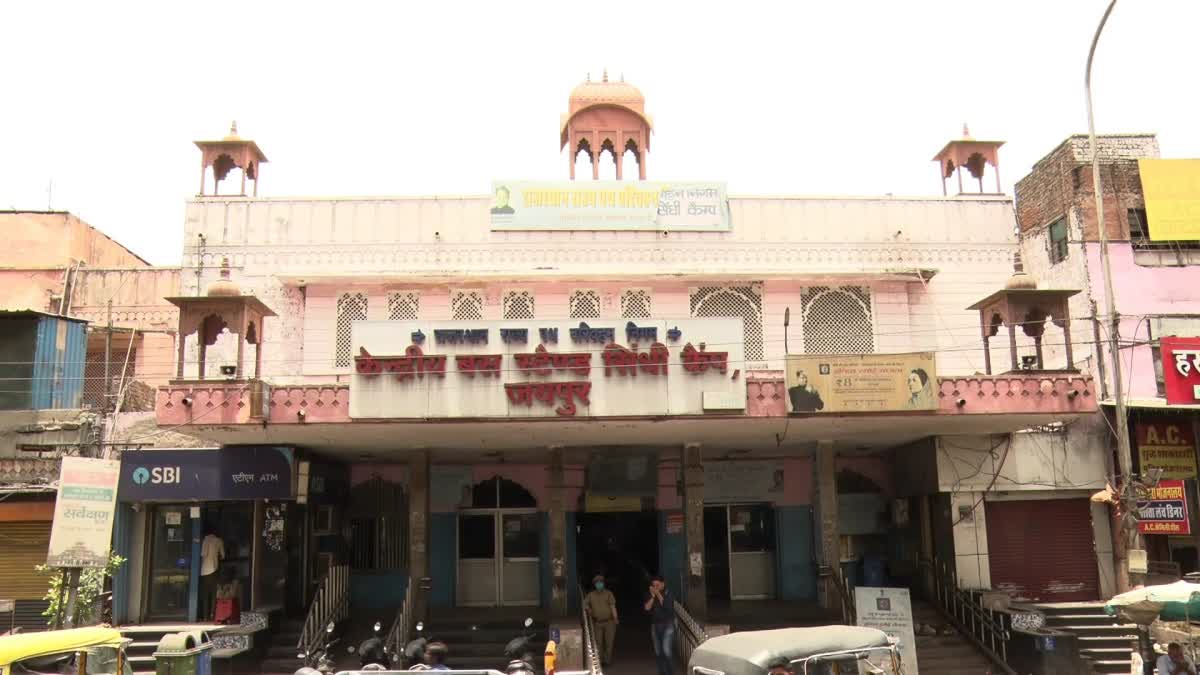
(1102, 639)
(280, 653)
(476, 640)
(948, 652)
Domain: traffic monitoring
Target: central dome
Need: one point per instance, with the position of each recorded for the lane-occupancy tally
(615, 93)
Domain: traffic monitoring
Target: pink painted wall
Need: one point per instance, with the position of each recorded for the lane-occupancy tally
(668, 493)
(1142, 291)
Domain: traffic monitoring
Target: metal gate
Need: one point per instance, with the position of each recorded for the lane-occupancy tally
(1043, 550)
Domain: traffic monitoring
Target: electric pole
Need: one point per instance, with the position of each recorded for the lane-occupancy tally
(1126, 536)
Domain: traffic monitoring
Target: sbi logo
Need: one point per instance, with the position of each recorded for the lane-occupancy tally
(158, 475)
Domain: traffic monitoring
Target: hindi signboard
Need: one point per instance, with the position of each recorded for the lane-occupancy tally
(81, 535)
(1181, 369)
(563, 369)
(1167, 444)
(861, 382)
(1171, 188)
(889, 610)
(609, 205)
(1166, 510)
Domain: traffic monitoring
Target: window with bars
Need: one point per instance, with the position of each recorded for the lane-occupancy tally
(466, 305)
(404, 306)
(585, 304)
(635, 303)
(1056, 240)
(837, 320)
(351, 307)
(1139, 235)
(518, 305)
(734, 302)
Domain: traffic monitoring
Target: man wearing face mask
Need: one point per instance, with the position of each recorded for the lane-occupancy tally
(602, 606)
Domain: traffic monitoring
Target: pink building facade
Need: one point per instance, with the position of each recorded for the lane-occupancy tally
(708, 478)
(1155, 284)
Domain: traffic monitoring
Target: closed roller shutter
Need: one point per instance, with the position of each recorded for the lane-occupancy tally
(22, 548)
(1043, 550)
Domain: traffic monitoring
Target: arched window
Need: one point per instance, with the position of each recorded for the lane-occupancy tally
(351, 307)
(744, 302)
(837, 320)
(501, 493)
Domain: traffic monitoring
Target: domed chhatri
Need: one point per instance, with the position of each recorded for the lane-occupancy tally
(606, 116)
(224, 287)
(605, 92)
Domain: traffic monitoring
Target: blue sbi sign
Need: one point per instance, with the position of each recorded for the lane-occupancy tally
(240, 472)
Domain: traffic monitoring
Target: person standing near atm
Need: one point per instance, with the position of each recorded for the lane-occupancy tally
(212, 552)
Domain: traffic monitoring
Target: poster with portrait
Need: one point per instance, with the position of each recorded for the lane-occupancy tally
(838, 383)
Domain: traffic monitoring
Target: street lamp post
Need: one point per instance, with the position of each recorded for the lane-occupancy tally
(1125, 538)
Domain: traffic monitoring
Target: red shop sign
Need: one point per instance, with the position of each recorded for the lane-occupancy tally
(1181, 369)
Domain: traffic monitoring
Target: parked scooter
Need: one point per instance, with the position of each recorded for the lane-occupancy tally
(320, 654)
(372, 650)
(414, 651)
(521, 653)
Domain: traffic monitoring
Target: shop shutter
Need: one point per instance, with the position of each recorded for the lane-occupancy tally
(22, 548)
(1043, 550)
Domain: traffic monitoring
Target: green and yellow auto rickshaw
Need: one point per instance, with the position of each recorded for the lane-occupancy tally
(823, 650)
(78, 651)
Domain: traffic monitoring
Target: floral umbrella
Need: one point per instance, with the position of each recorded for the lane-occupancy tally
(1178, 601)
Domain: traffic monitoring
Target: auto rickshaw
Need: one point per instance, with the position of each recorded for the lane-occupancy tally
(823, 650)
(78, 651)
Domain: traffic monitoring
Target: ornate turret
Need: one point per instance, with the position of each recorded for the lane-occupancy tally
(975, 155)
(224, 155)
(603, 116)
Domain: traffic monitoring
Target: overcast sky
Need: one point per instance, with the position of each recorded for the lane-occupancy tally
(415, 98)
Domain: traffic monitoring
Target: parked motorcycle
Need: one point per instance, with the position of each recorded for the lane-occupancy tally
(521, 653)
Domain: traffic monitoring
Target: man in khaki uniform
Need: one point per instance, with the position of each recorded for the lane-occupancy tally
(602, 607)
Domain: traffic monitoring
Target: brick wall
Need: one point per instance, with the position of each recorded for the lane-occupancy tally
(1061, 184)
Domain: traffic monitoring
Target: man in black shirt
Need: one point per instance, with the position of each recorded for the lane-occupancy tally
(660, 604)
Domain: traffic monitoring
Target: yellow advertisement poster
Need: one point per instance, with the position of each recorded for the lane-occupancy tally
(1168, 445)
(861, 382)
(1172, 191)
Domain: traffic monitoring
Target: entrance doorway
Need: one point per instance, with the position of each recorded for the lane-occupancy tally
(624, 548)
(499, 547)
(170, 563)
(739, 551)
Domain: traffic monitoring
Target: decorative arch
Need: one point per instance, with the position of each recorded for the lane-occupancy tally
(501, 493)
(837, 320)
(744, 302)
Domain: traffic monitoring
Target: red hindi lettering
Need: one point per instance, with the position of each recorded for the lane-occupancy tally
(365, 364)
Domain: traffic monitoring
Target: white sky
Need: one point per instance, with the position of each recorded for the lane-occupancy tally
(409, 98)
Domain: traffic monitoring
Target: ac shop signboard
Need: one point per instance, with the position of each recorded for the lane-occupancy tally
(592, 368)
(1168, 445)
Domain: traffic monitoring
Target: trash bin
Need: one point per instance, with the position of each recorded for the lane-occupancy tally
(186, 653)
(874, 570)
